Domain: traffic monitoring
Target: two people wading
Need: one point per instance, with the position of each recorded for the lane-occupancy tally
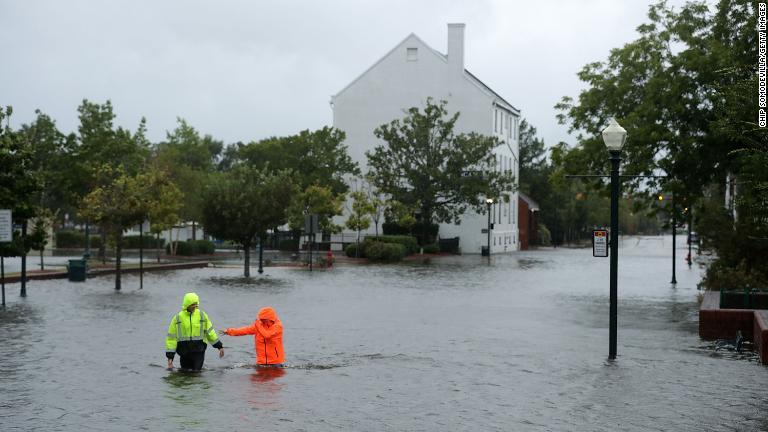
(191, 331)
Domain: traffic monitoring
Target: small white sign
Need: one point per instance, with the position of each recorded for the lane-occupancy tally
(6, 226)
(600, 243)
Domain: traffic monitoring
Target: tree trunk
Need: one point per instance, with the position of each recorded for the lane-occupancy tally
(103, 246)
(247, 265)
(118, 254)
(194, 230)
(157, 246)
(357, 248)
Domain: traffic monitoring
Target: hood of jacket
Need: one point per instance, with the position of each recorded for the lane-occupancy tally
(268, 313)
(190, 298)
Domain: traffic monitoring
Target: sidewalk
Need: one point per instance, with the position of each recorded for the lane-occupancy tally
(98, 269)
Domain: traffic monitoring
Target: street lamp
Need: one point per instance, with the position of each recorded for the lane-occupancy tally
(614, 137)
(489, 203)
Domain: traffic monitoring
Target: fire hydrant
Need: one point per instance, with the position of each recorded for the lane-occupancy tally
(329, 258)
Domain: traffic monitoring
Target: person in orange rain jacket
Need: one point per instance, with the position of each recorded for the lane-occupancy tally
(268, 337)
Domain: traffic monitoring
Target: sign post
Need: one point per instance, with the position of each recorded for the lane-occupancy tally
(600, 243)
(311, 227)
(144, 226)
(6, 236)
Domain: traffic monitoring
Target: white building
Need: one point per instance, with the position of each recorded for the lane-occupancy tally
(405, 77)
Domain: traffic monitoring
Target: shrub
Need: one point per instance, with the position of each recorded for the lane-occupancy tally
(351, 248)
(545, 236)
(384, 252)
(422, 231)
(75, 240)
(431, 248)
(204, 247)
(288, 245)
(721, 276)
(193, 247)
(409, 242)
(149, 241)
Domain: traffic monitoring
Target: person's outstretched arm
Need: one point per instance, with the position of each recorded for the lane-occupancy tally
(240, 331)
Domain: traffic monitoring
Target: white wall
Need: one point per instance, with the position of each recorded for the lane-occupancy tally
(400, 81)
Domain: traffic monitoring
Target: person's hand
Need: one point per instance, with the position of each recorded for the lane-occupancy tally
(170, 364)
(221, 352)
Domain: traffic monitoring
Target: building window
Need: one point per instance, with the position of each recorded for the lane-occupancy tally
(517, 133)
(412, 54)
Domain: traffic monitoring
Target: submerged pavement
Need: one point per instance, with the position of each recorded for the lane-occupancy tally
(459, 343)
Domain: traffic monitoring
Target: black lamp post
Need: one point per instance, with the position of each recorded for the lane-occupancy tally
(690, 221)
(489, 203)
(674, 240)
(261, 254)
(614, 137)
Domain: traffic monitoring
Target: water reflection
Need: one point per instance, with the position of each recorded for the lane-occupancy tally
(189, 393)
(266, 387)
(266, 374)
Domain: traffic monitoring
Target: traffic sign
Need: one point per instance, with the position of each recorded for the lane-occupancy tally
(6, 226)
(600, 243)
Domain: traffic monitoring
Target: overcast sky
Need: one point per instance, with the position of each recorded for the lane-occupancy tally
(246, 70)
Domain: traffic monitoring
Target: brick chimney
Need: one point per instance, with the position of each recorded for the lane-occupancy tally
(456, 47)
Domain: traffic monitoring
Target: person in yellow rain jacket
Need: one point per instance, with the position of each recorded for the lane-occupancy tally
(267, 331)
(188, 333)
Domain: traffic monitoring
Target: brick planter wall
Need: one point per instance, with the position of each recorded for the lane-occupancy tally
(716, 323)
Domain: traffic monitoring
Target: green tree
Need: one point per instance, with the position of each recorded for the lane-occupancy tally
(190, 159)
(20, 185)
(166, 202)
(317, 158)
(245, 202)
(317, 200)
(124, 201)
(360, 215)
(101, 144)
(685, 92)
(424, 163)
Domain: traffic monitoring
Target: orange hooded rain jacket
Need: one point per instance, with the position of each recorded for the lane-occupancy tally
(268, 340)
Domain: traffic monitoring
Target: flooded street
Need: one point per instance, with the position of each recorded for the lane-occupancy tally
(455, 344)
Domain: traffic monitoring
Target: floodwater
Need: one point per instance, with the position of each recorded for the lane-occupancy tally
(459, 343)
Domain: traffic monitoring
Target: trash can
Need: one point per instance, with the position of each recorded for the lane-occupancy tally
(76, 270)
(484, 251)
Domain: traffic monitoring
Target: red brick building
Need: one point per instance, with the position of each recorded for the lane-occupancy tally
(528, 220)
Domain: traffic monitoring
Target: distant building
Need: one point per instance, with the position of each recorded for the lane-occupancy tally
(528, 218)
(405, 77)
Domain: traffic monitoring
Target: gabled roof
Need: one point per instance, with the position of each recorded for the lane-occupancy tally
(532, 205)
(483, 85)
(468, 75)
(412, 35)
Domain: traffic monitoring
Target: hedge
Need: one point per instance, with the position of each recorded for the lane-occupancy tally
(193, 247)
(384, 252)
(288, 245)
(409, 242)
(351, 248)
(422, 231)
(75, 240)
(150, 242)
(431, 248)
